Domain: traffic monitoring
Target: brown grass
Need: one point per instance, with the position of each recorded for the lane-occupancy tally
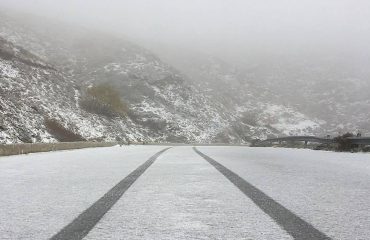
(59, 132)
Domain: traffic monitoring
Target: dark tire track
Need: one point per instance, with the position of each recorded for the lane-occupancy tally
(291, 223)
(83, 224)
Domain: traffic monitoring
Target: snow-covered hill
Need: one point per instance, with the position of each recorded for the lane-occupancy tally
(163, 106)
(34, 93)
(326, 93)
(332, 87)
(46, 68)
(258, 109)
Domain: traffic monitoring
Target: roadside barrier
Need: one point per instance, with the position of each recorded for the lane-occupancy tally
(24, 148)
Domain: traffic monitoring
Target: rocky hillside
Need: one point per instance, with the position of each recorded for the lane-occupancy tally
(258, 107)
(41, 101)
(64, 83)
(332, 87)
(39, 104)
(326, 93)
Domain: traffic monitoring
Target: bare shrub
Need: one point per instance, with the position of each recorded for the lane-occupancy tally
(104, 100)
(344, 144)
(61, 133)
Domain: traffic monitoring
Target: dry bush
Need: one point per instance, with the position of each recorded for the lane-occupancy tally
(343, 144)
(61, 133)
(103, 99)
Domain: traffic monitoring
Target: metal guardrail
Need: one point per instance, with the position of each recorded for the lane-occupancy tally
(299, 139)
(360, 140)
(306, 139)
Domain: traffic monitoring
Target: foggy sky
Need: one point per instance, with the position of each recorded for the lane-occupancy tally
(220, 26)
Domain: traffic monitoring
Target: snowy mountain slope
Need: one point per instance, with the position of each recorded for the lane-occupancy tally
(213, 104)
(334, 88)
(30, 94)
(254, 106)
(163, 105)
(34, 92)
(326, 93)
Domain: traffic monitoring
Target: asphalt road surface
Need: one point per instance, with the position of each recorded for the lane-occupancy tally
(156, 192)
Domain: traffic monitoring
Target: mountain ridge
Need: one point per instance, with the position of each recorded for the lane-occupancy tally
(164, 104)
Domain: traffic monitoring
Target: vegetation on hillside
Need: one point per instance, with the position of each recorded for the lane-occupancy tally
(61, 133)
(103, 99)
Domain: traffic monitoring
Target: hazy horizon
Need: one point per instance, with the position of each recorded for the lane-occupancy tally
(233, 30)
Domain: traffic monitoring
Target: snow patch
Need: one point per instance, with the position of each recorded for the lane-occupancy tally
(7, 70)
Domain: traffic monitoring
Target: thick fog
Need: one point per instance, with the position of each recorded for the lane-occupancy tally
(225, 28)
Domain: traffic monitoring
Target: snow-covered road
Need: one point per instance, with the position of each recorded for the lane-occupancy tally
(181, 195)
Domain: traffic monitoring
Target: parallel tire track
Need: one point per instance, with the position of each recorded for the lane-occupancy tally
(83, 224)
(291, 223)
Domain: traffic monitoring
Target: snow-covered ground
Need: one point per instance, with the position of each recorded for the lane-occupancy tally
(41, 193)
(181, 196)
(327, 189)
